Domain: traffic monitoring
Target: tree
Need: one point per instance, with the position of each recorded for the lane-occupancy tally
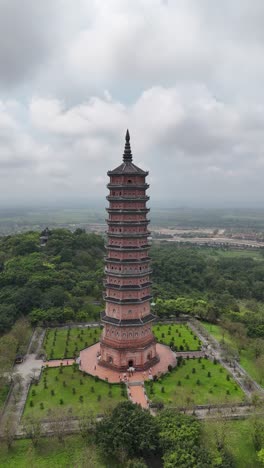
(59, 424)
(128, 432)
(9, 429)
(180, 441)
(33, 429)
(261, 456)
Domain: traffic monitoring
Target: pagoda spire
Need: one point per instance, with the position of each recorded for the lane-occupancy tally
(127, 156)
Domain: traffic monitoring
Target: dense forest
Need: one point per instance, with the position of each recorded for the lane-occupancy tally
(211, 284)
(57, 282)
(63, 281)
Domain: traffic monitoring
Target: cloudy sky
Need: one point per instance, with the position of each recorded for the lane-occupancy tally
(185, 76)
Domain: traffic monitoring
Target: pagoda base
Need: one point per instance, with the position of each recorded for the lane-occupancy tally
(121, 359)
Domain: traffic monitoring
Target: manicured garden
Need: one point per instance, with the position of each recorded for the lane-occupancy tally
(177, 335)
(72, 390)
(195, 382)
(61, 343)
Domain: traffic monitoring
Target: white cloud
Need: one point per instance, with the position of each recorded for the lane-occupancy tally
(185, 77)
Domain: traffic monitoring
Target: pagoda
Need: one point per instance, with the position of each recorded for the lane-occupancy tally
(127, 340)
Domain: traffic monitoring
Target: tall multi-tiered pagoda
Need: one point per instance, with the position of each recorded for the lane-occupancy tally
(127, 340)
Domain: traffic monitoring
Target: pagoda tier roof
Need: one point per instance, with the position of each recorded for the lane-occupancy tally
(129, 168)
(114, 300)
(128, 222)
(128, 210)
(127, 274)
(128, 187)
(130, 322)
(130, 287)
(117, 248)
(124, 198)
(128, 234)
(127, 260)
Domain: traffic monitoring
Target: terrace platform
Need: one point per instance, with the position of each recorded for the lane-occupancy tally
(89, 363)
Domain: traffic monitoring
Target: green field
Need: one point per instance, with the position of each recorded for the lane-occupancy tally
(75, 452)
(247, 358)
(238, 440)
(186, 386)
(218, 332)
(62, 343)
(177, 334)
(68, 388)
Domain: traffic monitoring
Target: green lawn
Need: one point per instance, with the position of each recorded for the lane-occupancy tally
(178, 334)
(247, 358)
(69, 388)
(181, 386)
(62, 343)
(218, 332)
(238, 440)
(75, 452)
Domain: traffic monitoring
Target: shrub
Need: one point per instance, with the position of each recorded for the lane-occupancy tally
(193, 370)
(61, 401)
(41, 405)
(99, 398)
(209, 374)
(73, 390)
(110, 394)
(64, 383)
(92, 389)
(81, 399)
(228, 392)
(179, 383)
(215, 361)
(228, 377)
(52, 392)
(81, 382)
(198, 382)
(31, 403)
(169, 367)
(96, 378)
(33, 393)
(203, 366)
(162, 390)
(187, 377)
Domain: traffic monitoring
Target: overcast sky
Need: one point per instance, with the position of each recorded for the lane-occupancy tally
(185, 76)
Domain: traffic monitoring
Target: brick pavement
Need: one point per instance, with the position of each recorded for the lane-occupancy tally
(89, 364)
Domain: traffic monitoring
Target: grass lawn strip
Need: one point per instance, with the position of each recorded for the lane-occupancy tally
(247, 358)
(72, 390)
(67, 342)
(198, 382)
(50, 453)
(219, 333)
(178, 335)
(238, 440)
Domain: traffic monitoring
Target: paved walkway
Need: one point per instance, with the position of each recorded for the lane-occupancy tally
(58, 362)
(137, 395)
(28, 369)
(89, 364)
